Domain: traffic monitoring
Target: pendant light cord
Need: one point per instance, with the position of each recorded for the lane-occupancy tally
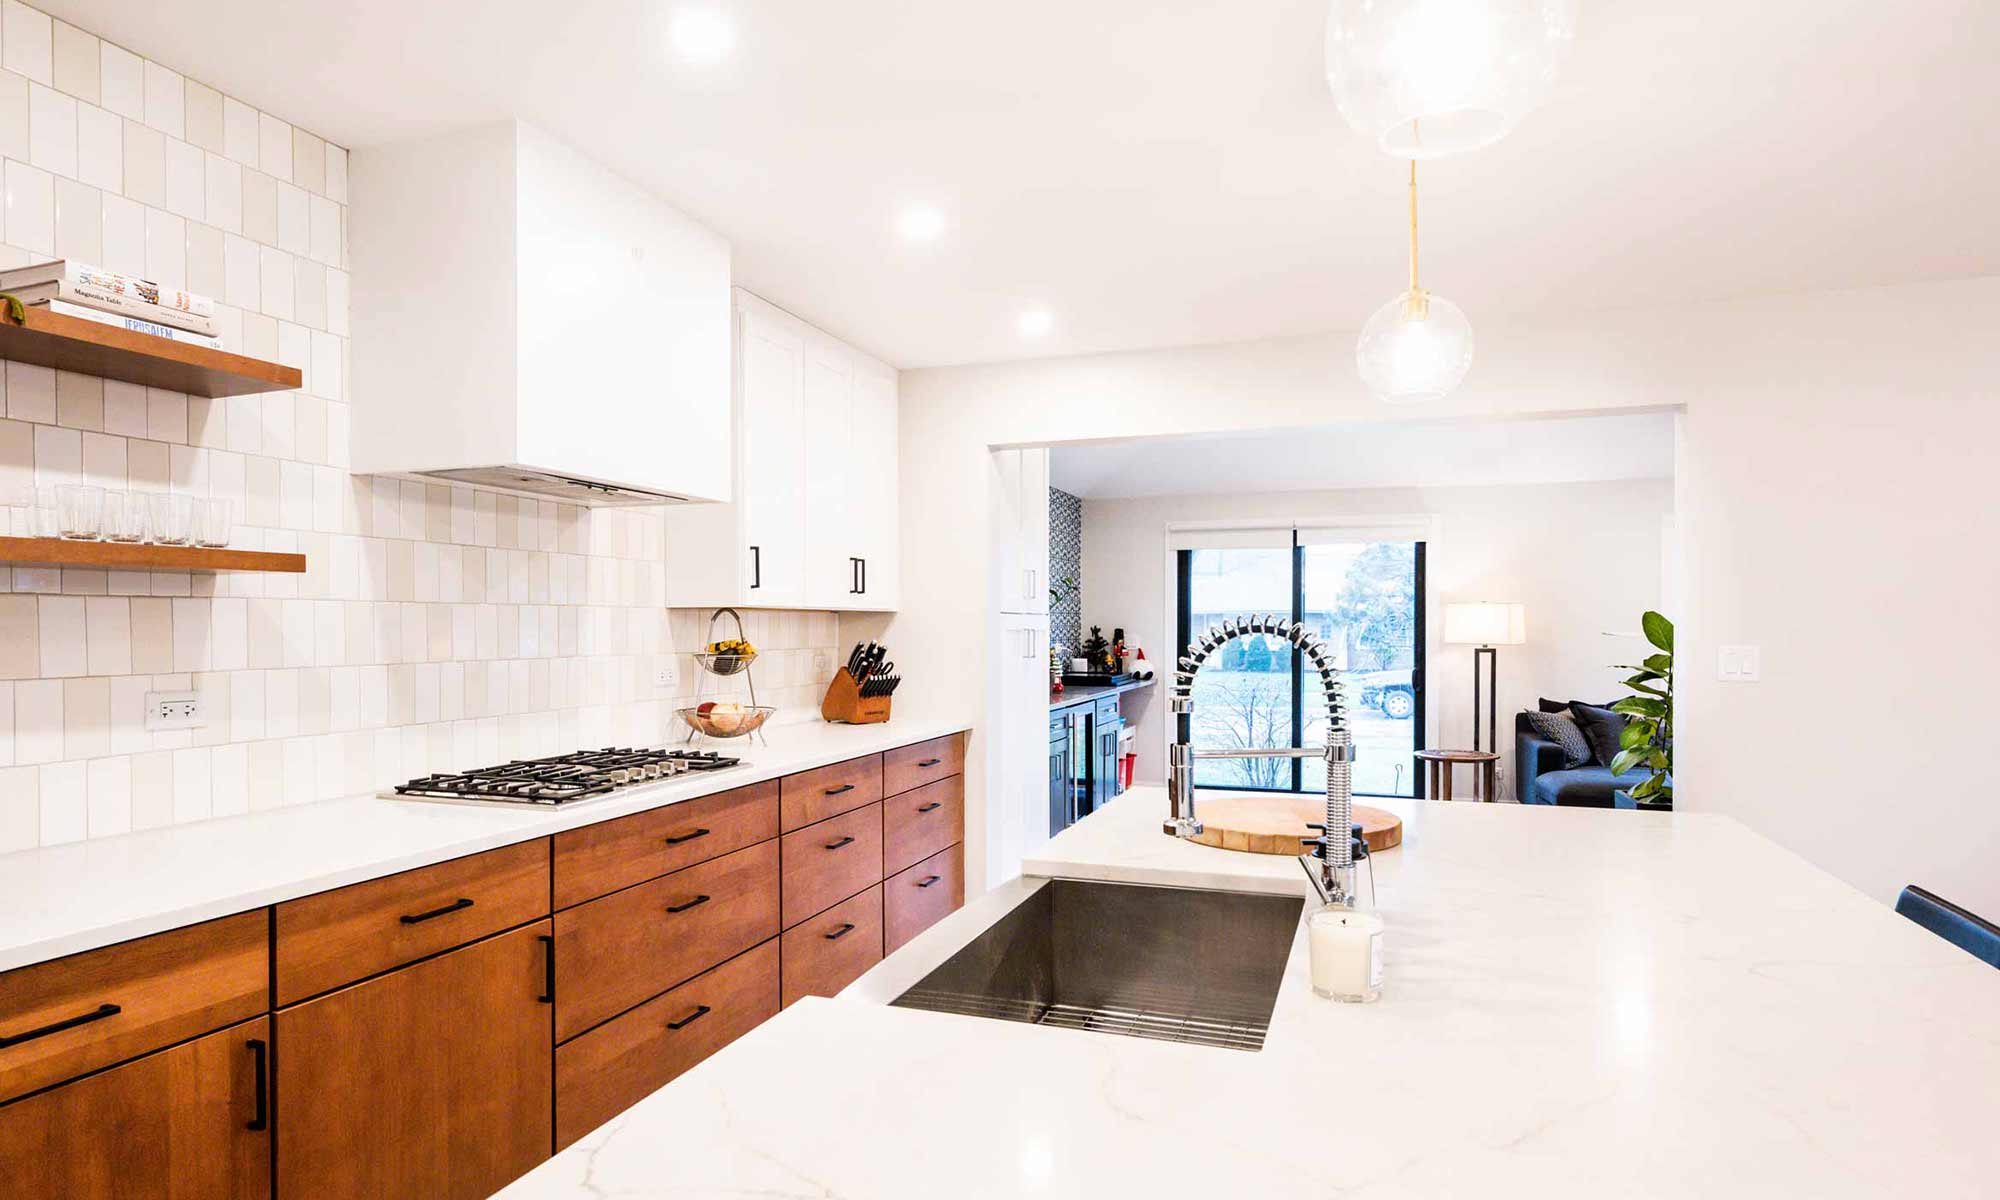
(1413, 225)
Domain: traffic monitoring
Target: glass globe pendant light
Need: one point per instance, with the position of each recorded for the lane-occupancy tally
(1468, 70)
(1419, 345)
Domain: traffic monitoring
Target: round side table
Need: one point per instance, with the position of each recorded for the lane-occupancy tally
(1438, 765)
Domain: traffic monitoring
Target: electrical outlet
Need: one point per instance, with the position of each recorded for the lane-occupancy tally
(822, 663)
(174, 710)
(668, 674)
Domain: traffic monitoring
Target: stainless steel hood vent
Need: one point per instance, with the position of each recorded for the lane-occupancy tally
(560, 487)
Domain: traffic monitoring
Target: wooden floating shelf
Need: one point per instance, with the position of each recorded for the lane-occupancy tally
(131, 556)
(114, 352)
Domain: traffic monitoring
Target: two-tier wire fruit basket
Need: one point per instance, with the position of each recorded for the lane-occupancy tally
(721, 658)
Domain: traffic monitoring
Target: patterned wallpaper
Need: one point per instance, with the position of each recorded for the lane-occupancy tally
(1066, 562)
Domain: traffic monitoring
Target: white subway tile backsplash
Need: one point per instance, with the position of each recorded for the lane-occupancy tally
(166, 248)
(38, 720)
(31, 208)
(186, 180)
(145, 164)
(274, 147)
(122, 81)
(100, 147)
(193, 781)
(79, 222)
(166, 100)
(27, 37)
(124, 235)
(51, 131)
(204, 116)
(65, 813)
(62, 633)
(76, 62)
(14, 133)
(108, 790)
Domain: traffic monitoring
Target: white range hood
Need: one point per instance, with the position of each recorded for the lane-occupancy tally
(526, 320)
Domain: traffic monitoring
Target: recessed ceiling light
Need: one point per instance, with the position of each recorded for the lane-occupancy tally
(700, 35)
(1036, 322)
(920, 223)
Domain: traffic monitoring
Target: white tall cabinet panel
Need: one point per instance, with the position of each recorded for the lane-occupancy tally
(1021, 532)
(814, 519)
(1017, 789)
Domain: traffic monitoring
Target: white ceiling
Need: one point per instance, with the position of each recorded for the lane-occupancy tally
(1165, 174)
(1375, 455)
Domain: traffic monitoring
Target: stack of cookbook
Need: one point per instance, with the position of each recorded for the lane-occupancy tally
(77, 289)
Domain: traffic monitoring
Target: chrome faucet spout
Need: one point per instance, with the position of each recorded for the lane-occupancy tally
(1330, 862)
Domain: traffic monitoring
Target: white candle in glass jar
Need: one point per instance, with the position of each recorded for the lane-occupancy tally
(1346, 950)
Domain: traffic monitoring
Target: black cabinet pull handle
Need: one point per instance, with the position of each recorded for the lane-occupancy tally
(687, 837)
(454, 906)
(864, 576)
(837, 845)
(930, 762)
(548, 942)
(835, 791)
(845, 929)
(97, 1014)
(261, 1119)
(933, 805)
(928, 880)
(700, 1011)
(853, 576)
(756, 567)
(697, 902)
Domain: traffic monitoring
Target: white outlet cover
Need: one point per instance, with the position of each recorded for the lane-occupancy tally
(174, 710)
(669, 673)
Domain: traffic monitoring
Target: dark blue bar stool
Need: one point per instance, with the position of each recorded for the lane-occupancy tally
(1967, 930)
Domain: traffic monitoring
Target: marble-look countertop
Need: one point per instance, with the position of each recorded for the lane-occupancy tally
(1577, 1003)
(58, 900)
(1087, 693)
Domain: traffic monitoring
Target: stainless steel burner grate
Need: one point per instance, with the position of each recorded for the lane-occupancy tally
(564, 777)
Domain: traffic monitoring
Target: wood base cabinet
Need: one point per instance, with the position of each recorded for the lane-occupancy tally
(189, 1123)
(432, 1080)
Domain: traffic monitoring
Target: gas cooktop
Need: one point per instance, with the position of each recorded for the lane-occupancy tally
(565, 778)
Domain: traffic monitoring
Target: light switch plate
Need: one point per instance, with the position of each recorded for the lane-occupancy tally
(174, 710)
(1738, 664)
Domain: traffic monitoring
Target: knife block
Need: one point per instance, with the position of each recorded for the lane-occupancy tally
(845, 703)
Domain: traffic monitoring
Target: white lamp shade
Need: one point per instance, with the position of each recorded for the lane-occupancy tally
(1484, 623)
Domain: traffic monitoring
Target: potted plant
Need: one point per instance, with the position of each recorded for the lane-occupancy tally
(1648, 738)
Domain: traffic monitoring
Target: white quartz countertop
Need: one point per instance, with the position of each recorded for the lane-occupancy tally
(58, 900)
(1577, 1002)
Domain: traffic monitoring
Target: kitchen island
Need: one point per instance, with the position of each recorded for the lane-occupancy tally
(1578, 1003)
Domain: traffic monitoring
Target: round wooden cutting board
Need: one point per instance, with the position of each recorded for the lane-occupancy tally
(1274, 824)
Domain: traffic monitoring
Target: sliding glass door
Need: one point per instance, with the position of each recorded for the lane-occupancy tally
(1363, 597)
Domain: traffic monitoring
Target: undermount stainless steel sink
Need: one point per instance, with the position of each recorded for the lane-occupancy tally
(1179, 964)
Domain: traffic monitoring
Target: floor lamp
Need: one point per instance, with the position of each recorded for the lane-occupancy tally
(1485, 625)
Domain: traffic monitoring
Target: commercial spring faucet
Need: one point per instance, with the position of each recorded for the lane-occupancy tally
(1330, 861)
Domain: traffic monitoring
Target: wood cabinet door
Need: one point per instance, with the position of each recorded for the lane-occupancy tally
(189, 1123)
(432, 1080)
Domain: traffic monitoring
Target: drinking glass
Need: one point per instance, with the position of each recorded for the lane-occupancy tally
(81, 508)
(17, 511)
(47, 513)
(213, 519)
(170, 518)
(124, 517)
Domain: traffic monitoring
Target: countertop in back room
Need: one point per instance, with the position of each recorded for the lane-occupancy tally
(1083, 693)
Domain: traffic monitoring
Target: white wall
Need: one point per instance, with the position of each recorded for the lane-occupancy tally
(1583, 558)
(1835, 510)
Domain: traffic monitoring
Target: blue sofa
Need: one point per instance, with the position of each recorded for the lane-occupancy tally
(1539, 777)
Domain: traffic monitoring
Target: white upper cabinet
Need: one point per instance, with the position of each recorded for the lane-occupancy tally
(813, 521)
(1020, 509)
(519, 308)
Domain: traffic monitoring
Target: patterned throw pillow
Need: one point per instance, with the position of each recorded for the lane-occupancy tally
(1558, 728)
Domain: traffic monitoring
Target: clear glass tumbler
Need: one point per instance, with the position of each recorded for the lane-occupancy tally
(213, 519)
(170, 518)
(47, 513)
(81, 509)
(124, 517)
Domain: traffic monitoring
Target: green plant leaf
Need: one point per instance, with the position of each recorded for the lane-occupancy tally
(1662, 663)
(1647, 787)
(15, 312)
(1635, 733)
(1659, 630)
(1625, 760)
(1638, 683)
(1641, 706)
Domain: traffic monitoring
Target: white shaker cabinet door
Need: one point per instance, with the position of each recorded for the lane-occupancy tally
(771, 458)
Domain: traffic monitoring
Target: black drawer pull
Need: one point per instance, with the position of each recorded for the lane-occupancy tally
(454, 906)
(548, 995)
(845, 787)
(930, 762)
(837, 845)
(933, 806)
(841, 932)
(261, 1119)
(687, 837)
(98, 1014)
(697, 902)
(928, 880)
(700, 1011)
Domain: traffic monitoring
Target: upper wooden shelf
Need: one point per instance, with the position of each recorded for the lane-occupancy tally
(115, 352)
(131, 556)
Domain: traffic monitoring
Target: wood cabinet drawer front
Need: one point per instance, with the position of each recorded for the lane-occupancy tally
(925, 762)
(621, 1062)
(614, 952)
(61, 1018)
(826, 953)
(599, 859)
(916, 899)
(830, 790)
(347, 934)
(918, 824)
(828, 862)
(182, 1124)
